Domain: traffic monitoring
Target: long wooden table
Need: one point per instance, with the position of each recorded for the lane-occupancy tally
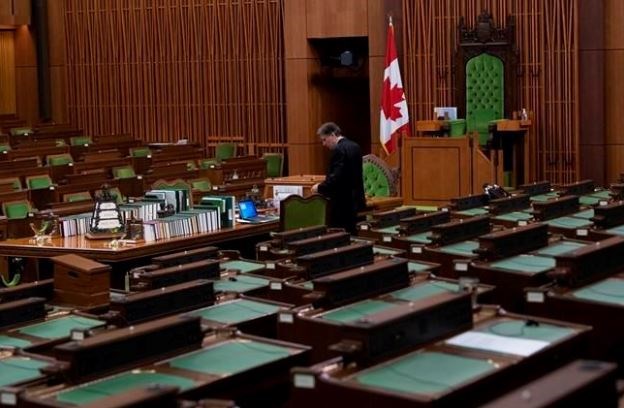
(127, 256)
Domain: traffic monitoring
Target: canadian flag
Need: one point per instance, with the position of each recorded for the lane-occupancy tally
(394, 118)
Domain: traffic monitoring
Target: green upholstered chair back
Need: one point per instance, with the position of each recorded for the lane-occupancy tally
(298, 212)
(79, 196)
(4, 147)
(201, 184)
(80, 140)
(123, 172)
(21, 131)
(485, 93)
(225, 151)
(14, 210)
(206, 163)
(15, 182)
(142, 151)
(59, 159)
(379, 179)
(274, 164)
(38, 182)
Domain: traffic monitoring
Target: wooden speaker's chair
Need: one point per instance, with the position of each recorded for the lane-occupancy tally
(485, 65)
(225, 151)
(274, 164)
(298, 212)
(379, 179)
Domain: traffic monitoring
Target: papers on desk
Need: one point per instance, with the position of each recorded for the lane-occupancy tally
(281, 192)
(497, 343)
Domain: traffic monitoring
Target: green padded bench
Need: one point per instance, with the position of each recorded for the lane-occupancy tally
(236, 311)
(485, 94)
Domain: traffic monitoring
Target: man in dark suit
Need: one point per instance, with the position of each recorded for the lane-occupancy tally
(343, 185)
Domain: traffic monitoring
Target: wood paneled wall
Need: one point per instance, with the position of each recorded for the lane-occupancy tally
(162, 70)
(7, 73)
(546, 35)
(614, 88)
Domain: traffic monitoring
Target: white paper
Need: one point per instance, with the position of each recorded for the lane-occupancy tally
(281, 192)
(497, 343)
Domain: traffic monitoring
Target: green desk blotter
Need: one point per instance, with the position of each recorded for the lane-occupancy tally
(415, 267)
(240, 284)
(423, 291)
(609, 291)
(619, 230)
(8, 341)
(230, 357)
(93, 391)
(394, 229)
(525, 264)
(514, 216)
(586, 215)
(425, 373)
(14, 370)
(544, 197)
(461, 248)
(559, 248)
(568, 223)
(61, 327)
(356, 311)
(422, 238)
(520, 329)
(385, 251)
(236, 311)
(473, 211)
(242, 266)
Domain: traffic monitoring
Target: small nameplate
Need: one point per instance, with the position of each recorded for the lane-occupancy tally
(276, 285)
(581, 232)
(364, 227)
(270, 265)
(417, 250)
(387, 238)
(286, 318)
(602, 203)
(535, 297)
(461, 266)
(304, 381)
(522, 223)
(8, 398)
(263, 248)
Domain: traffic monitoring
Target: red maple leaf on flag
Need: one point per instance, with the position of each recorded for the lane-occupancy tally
(389, 99)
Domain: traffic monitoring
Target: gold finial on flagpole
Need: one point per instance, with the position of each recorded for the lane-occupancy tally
(390, 19)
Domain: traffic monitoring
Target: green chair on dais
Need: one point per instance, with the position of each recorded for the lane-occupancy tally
(225, 151)
(379, 179)
(274, 164)
(485, 94)
(298, 212)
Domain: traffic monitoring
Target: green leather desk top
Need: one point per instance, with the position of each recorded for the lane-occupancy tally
(525, 263)
(61, 327)
(610, 291)
(240, 284)
(236, 311)
(559, 248)
(16, 369)
(464, 248)
(242, 266)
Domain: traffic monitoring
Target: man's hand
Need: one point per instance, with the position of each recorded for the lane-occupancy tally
(314, 188)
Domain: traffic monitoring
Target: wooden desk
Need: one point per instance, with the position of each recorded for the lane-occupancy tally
(124, 258)
(511, 137)
(308, 180)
